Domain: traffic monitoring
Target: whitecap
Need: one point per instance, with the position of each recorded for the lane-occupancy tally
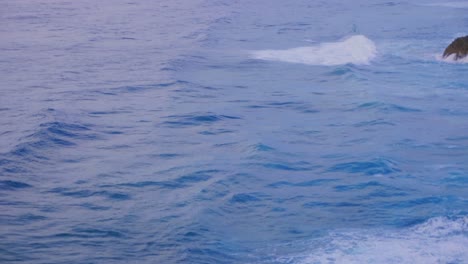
(451, 59)
(356, 49)
(439, 240)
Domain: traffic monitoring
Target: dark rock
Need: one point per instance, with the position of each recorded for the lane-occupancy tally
(459, 47)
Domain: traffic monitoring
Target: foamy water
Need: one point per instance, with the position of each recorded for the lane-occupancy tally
(439, 240)
(356, 49)
(451, 59)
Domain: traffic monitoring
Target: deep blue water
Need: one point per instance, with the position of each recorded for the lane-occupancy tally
(232, 132)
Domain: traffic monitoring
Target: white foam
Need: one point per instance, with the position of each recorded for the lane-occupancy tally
(451, 59)
(439, 240)
(353, 50)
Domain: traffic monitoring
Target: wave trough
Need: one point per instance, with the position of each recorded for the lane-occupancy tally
(356, 49)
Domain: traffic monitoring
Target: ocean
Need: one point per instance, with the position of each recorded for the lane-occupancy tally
(233, 131)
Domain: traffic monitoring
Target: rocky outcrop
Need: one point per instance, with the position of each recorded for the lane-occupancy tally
(459, 47)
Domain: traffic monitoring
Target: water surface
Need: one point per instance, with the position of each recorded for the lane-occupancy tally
(232, 132)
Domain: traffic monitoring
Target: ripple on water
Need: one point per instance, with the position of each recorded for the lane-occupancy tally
(374, 167)
(288, 166)
(297, 106)
(86, 193)
(183, 181)
(13, 185)
(176, 121)
(138, 88)
(39, 147)
(384, 107)
(52, 135)
(316, 182)
(418, 202)
(90, 233)
(375, 122)
(245, 198)
(262, 147)
(347, 72)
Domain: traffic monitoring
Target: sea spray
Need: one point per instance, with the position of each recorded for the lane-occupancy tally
(356, 49)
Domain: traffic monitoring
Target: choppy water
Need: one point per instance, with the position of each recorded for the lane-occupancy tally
(232, 132)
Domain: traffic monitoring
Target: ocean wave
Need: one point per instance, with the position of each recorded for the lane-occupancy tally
(356, 49)
(451, 59)
(438, 240)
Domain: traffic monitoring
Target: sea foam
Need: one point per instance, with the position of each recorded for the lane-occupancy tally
(356, 49)
(439, 240)
(451, 59)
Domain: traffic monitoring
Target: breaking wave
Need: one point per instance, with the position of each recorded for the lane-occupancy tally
(451, 59)
(356, 49)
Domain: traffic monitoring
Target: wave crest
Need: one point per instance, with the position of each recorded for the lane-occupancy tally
(451, 59)
(356, 49)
